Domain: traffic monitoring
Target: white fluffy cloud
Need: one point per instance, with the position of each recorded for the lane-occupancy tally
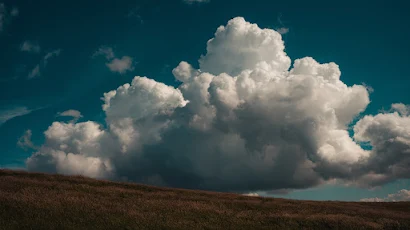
(131, 123)
(73, 149)
(240, 46)
(402, 195)
(245, 121)
(389, 136)
(184, 71)
(119, 65)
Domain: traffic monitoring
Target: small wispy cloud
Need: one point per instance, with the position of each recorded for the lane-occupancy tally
(14, 12)
(51, 54)
(118, 65)
(105, 51)
(6, 15)
(8, 114)
(25, 142)
(254, 194)
(36, 71)
(29, 46)
(282, 29)
(195, 1)
(75, 114)
(402, 195)
(135, 14)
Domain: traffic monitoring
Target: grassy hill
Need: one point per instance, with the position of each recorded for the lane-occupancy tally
(40, 201)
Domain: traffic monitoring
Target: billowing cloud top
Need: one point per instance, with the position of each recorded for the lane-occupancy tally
(245, 121)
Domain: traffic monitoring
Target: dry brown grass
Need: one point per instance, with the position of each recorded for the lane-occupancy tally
(40, 201)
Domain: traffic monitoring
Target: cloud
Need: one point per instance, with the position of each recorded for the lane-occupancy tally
(25, 142)
(282, 30)
(8, 114)
(6, 15)
(36, 71)
(14, 12)
(372, 200)
(75, 114)
(184, 71)
(29, 46)
(245, 121)
(64, 141)
(253, 194)
(51, 54)
(106, 51)
(196, 1)
(402, 195)
(135, 13)
(119, 65)
(401, 108)
(389, 136)
(240, 46)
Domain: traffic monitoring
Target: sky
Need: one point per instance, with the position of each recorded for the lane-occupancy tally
(294, 99)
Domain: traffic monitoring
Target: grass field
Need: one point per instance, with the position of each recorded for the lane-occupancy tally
(40, 201)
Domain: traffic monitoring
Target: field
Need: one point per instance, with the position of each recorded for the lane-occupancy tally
(40, 201)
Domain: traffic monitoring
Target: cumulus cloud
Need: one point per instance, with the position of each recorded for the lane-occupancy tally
(25, 142)
(389, 136)
(401, 108)
(119, 65)
(402, 195)
(75, 114)
(36, 71)
(29, 46)
(72, 149)
(184, 71)
(6, 15)
(245, 121)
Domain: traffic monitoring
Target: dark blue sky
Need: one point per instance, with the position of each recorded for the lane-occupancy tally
(369, 40)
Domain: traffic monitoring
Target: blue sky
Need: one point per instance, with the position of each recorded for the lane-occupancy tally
(50, 61)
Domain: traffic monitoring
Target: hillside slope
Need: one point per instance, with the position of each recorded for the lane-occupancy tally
(40, 201)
